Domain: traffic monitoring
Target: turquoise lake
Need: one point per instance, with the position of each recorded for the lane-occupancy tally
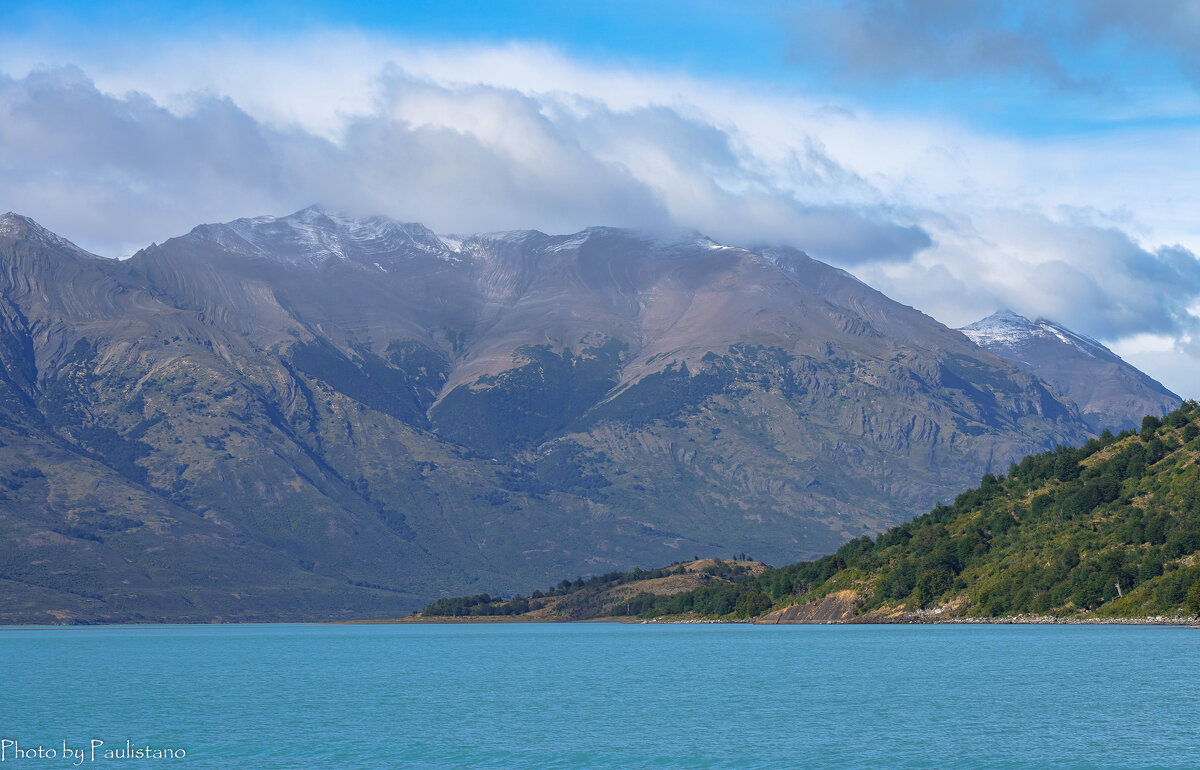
(603, 695)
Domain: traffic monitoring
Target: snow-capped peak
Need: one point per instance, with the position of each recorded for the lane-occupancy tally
(1007, 329)
(315, 236)
(16, 226)
(1001, 327)
(11, 224)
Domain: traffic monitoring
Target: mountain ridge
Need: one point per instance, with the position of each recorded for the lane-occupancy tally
(400, 426)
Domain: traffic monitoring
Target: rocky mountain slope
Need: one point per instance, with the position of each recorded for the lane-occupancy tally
(313, 416)
(1111, 394)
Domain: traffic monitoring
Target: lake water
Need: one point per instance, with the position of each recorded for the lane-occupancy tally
(602, 695)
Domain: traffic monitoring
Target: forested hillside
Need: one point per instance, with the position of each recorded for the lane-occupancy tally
(1109, 529)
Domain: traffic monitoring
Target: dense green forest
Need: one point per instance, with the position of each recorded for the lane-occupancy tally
(1110, 529)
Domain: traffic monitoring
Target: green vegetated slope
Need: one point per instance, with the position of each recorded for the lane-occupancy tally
(1056, 536)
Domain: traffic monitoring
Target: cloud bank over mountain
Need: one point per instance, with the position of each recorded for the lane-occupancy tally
(1095, 229)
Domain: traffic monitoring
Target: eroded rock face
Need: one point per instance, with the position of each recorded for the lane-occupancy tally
(837, 607)
(323, 415)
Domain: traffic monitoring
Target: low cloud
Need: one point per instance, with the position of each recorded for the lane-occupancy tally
(116, 171)
(1094, 279)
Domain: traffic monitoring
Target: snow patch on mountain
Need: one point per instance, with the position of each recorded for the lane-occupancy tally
(17, 226)
(570, 243)
(315, 236)
(795, 262)
(10, 224)
(1011, 330)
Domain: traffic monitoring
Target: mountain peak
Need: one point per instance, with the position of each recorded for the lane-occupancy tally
(1009, 329)
(1000, 323)
(315, 235)
(1004, 315)
(315, 210)
(19, 227)
(1111, 393)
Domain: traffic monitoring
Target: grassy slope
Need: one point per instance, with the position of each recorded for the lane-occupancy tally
(616, 594)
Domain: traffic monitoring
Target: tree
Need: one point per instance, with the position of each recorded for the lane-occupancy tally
(932, 584)
(1192, 602)
(753, 604)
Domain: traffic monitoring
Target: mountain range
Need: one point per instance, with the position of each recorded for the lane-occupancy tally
(316, 416)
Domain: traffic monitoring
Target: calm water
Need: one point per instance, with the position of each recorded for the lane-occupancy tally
(512, 696)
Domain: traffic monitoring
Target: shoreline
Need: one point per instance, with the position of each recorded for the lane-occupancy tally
(1051, 620)
(907, 620)
(918, 617)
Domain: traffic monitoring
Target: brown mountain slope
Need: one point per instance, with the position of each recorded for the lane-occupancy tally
(402, 416)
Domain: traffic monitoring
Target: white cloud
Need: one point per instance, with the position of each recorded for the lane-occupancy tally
(458, 156)
(1095, 279)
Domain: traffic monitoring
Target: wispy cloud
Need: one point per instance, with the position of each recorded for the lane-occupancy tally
(891, 40)
(1066, 45)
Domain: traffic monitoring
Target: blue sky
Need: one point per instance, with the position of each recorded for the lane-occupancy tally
(959, 156)
(1033, 69)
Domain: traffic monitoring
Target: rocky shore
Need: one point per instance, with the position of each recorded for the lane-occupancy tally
(929, 616)
(841, 607)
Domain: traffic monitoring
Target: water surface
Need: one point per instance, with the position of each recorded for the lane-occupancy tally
(603, 695)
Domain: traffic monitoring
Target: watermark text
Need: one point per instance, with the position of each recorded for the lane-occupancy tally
(94, 750)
